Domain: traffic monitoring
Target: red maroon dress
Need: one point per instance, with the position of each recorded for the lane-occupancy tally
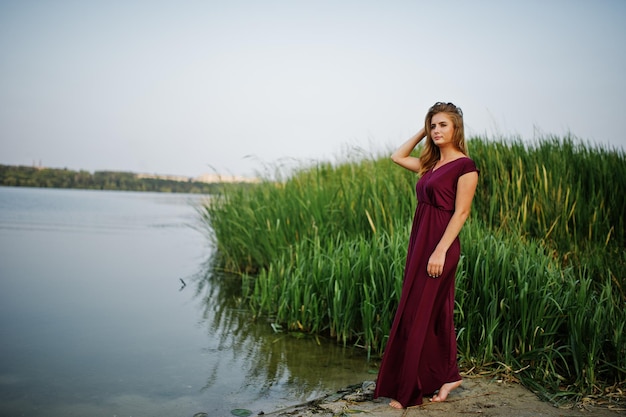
(420, 355)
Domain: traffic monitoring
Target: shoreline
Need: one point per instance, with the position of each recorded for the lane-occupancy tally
(478, 395)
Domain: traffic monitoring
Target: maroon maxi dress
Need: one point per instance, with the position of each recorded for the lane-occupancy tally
(420, 355)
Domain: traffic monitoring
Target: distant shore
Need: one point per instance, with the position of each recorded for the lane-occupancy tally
(206, 178)
(35, 176)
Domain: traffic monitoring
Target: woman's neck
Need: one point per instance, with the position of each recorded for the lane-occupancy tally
(449, 152)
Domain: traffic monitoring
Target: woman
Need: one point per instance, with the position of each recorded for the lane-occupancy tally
(420, 356)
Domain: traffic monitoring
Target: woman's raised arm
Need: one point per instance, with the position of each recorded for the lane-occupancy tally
(402, 155)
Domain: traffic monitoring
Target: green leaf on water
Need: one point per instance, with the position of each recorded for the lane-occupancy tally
(241, 412)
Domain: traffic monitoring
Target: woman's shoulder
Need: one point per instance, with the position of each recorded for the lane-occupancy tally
(467, 165)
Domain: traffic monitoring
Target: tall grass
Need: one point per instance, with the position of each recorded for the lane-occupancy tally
(338, 287)
(520, 309)
(254, 226)
(540, 288)
(567, 195)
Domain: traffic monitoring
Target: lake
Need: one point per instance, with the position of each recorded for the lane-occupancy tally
(110, 306)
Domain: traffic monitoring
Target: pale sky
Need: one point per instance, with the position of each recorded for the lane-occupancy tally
(189, 87)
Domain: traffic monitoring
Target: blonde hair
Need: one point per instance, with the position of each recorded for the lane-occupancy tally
(431, 153)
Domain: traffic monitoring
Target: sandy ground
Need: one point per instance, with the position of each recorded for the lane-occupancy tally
(477, 396)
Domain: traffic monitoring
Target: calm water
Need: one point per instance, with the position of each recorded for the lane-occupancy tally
(95, 321)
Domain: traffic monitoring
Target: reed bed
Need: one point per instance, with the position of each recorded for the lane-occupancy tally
(540, 287)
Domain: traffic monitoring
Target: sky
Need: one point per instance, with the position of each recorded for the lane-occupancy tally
(234, 87)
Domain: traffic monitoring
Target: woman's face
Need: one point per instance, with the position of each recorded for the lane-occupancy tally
(441, 129)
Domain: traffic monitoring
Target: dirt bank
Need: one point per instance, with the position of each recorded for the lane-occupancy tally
(477, 396)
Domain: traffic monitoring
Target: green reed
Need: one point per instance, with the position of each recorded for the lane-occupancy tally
(518, 306)
(540, 287)
(253, 226)
(338, 287)
(564, 193)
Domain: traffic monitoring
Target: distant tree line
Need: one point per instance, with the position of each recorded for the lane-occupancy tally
(24, 176)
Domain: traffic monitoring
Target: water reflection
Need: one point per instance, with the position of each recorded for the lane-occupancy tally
(93, 319)
(295, 366)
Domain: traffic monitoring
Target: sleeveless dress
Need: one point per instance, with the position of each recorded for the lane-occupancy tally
(420, 355)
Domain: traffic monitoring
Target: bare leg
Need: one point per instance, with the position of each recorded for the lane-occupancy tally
(395, 404)
(445, 390)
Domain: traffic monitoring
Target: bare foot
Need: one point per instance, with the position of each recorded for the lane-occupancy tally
(445, 390)
(395, 404)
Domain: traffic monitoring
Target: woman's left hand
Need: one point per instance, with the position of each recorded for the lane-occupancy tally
(435, 263)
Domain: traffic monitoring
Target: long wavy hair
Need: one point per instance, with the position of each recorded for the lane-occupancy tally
(431, 153)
